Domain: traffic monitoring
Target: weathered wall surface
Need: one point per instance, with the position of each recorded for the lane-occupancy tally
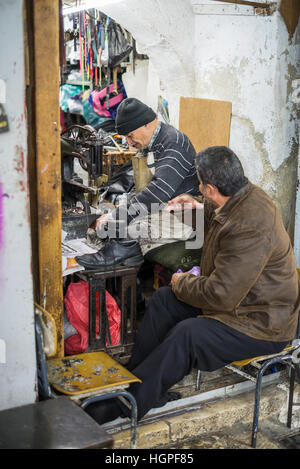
(17, 340)
(228, 55)
(251, 61)
(144, 84)
(164, 30)
(297, 219)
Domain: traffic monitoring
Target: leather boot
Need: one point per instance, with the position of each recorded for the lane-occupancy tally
(105, 411)
(115, 253)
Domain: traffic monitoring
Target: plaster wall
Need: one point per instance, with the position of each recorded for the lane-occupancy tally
(17, 340)
(163, 30)
(297, 219)
(252, 62)
(144, 84)
(227, 53)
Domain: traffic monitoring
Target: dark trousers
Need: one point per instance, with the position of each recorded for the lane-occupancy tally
(172, 340)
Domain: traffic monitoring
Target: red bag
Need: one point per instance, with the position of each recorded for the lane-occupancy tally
(77, 310)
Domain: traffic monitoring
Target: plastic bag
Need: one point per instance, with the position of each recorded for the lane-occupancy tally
(77, 310)
(118, 46)
(75, 106)
(194, 271)
(91, 117)
(65, 93)
(99, 100)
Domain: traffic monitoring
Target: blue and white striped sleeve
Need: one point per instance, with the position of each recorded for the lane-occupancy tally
(173, 167)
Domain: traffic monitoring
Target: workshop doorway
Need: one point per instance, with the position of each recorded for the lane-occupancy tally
(46, 74)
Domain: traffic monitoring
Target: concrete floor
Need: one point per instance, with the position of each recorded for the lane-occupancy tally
(218, 417)
(271, 432)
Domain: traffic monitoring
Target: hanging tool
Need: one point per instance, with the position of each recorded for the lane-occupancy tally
(84, 27)
(80, 40)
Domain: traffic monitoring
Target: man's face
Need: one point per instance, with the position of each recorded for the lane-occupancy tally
(201, 186)
(139, 138)
(203, 189)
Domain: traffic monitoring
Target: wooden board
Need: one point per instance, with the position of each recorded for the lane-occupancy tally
(48, 160)
(246, 2)
(206, 122)
(290, 11)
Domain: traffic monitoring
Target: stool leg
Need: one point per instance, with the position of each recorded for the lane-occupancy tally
(256, 408)
(133, 417)
(112, 395)
(291, 397)
(268, 363)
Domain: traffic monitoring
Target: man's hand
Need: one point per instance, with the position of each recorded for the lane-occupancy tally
(101, 221)
(179, 203)
(174, 280)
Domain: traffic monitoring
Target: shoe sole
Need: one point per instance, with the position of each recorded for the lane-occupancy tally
(130, 262)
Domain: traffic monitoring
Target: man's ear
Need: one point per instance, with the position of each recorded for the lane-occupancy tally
(210, 190)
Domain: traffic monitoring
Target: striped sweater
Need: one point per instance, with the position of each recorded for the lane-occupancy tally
(175, 171)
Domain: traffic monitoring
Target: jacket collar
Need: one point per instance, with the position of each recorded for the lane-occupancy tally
(235, 200)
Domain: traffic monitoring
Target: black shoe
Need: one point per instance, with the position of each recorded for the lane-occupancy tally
(168, 397)
(114, 253)
(104, 411)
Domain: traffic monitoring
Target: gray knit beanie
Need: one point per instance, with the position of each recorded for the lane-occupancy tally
(132, 114)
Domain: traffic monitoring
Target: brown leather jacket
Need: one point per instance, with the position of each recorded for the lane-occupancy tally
(248, 277)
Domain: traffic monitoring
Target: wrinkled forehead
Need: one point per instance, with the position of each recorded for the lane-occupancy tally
(136, 133)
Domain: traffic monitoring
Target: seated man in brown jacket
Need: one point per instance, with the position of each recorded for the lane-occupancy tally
(244, 304)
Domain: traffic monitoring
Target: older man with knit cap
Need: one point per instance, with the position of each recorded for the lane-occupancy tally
(170, 159)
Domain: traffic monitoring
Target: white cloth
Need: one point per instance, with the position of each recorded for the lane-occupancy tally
(159, 229)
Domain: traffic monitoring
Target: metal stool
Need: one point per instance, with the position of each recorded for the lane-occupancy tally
(289, 356)
(86, 378)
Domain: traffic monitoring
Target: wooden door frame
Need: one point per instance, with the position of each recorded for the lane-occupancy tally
(42, 96)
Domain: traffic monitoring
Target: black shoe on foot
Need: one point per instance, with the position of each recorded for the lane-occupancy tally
(104, 411)
(114, 253)
(168, 397)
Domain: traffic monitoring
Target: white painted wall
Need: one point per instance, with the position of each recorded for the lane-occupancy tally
(297, 219)
(251, 61)
(144, 84)
(163, 30)
(237, 57)
(17, 342)
(246, 60)
(208, 49)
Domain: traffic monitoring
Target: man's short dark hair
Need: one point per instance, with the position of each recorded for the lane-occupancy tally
(220, 167)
